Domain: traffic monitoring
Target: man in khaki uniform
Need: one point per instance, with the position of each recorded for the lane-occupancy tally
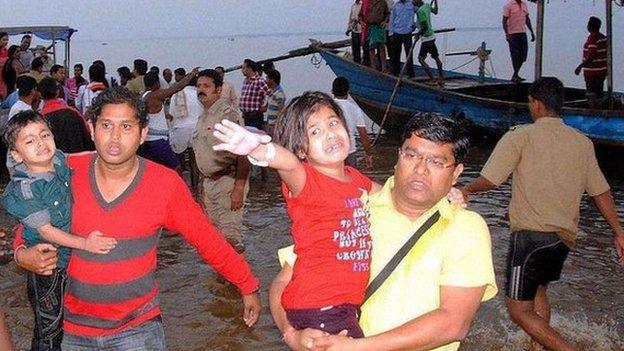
(224, 183)
(552, 166)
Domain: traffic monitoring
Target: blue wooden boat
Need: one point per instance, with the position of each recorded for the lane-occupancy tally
(492, 104)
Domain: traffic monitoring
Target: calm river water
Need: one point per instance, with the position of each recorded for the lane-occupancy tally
(201, 312)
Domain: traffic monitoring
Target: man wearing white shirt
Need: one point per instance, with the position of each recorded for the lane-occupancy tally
(28, 95)
(355, 122)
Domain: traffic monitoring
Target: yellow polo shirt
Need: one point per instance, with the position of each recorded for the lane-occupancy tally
(456, 251)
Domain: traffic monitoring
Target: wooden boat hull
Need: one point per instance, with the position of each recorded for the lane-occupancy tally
(494, 104)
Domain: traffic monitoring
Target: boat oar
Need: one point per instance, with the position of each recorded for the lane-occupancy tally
(310, 49)
(396, 88)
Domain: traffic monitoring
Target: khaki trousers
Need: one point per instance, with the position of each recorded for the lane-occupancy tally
(216, 201)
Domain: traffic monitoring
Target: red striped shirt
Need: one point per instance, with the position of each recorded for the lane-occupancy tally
(595, 48)
(110, 293)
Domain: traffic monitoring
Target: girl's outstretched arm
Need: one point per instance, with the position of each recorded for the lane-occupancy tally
(242, 141)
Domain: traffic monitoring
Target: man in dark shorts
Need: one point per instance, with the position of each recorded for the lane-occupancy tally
(427, 37)
(516, 20)
(594, 63)
(552, 166)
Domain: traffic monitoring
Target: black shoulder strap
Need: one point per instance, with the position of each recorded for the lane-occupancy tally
(398, 257)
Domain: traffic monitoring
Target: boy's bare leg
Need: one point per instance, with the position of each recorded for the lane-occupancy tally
(383, 58)
(425, 67)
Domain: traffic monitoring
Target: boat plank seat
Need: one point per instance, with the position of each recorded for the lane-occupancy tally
(575, 102)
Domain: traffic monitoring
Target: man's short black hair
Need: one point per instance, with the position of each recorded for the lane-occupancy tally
(340, 86)
(155, 69)
(150, 79)
(26, 36)
(98, 74)
(25, 85)
(439, 129)
(140, 66)
(550, 92)
(48, 88)
(268, 66)
(116, 96)
(36, 64)
(275, 76)
(594, 24)
(17, 123)
(79, 65)
(55, 68)
(100, 63)
(212, 74)
(252, 64)
(180, 71)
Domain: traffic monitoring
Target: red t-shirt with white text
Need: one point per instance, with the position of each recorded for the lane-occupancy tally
(332, 241)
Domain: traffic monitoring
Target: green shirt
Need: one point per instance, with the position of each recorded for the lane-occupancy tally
(424, 15)
(36, 199)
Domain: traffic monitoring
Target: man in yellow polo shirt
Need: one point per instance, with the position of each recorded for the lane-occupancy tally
(429, 301)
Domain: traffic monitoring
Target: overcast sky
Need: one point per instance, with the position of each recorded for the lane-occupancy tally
(121, 19)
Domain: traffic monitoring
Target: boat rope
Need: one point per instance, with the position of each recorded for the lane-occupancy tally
(316, 60)
(493, 75)
(466, 64)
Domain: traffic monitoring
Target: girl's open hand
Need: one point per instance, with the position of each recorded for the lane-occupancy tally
(237, 139)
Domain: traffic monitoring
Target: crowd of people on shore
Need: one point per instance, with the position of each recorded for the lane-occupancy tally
(393, 266)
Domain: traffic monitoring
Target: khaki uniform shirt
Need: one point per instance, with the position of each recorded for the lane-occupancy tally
(136, 85)
(36, 75)
(208, 160)
(552, 165)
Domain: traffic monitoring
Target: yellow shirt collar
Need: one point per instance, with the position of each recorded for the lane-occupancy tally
(384, 199)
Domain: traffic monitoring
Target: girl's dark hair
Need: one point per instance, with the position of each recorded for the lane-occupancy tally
(290, 128)
(17, 123)
(13, 49)
(97, 73)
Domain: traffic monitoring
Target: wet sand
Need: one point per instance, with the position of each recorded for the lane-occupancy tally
(201, 312)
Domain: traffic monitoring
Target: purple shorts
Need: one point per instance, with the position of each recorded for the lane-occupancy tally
(332, 319)
(159, 151)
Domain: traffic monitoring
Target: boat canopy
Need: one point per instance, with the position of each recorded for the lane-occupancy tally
(54, 33)
(51, 33)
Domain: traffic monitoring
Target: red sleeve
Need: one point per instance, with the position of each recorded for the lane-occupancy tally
(18, 238)
(361, 179)
(184, 216)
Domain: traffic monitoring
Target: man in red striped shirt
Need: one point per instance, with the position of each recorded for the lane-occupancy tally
(111, 301)
(594, 63)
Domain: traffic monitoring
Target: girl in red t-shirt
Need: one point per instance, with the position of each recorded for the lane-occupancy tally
(330, 224)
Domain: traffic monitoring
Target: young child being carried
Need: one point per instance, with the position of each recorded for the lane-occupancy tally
(39, 195)
(330, 224)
